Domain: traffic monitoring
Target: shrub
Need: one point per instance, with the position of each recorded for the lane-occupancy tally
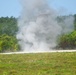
(68, 41)
(8, 43)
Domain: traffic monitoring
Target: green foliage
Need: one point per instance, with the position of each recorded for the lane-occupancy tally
(8, 30)
(8, 43)
(75, 21)
(8, 25)
(68, 41)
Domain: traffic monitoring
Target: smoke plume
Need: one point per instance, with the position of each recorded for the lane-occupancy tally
(38, 27)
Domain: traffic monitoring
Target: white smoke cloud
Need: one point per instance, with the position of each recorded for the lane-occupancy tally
(67, 24)
(38, 28)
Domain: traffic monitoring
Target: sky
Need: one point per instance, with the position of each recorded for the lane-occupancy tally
(13, 7)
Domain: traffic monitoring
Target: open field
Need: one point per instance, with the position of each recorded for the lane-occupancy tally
(58, 63)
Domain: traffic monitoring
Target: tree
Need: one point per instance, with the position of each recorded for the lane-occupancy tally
(68, 41)
(75, 21)
(8, 26)
(8, 43)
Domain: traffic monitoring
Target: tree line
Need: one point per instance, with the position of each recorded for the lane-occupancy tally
(68, 41)
(9, 29)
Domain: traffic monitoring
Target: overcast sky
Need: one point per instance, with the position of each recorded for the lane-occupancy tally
(13, 7)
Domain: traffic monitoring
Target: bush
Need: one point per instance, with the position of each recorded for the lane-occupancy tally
(8, 43)
(68, 41)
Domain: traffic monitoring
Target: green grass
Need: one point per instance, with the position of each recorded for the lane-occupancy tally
(38, 64)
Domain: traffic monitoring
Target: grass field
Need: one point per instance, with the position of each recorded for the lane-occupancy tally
(38, 64)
